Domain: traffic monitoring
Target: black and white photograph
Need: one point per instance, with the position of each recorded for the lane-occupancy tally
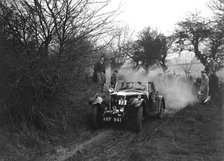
(111, 80)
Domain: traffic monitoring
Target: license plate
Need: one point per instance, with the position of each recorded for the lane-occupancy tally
(107, 119)
(112, 119)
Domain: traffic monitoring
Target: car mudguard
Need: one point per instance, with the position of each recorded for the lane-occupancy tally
(98, 100)
(137, 102)
(95, 100)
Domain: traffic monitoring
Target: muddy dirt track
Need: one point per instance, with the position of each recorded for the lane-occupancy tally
(194, 133)
(111, 142)
(120, 142)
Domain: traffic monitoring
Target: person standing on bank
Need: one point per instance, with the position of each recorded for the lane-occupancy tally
(210, 65)
(204, 87)
(113, 79)
(213, 85)
(99, 73)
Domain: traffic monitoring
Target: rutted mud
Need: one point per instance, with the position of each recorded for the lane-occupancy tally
(109, 142)
(63, 153)
(193, 133)
(119, 143)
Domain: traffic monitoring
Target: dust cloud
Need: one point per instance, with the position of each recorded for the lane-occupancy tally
(177, 90)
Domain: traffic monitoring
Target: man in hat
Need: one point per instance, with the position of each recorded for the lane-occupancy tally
(204, 87)
(211, 65)
(99, 73)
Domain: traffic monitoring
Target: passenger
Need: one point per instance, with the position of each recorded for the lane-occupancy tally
(130, 85)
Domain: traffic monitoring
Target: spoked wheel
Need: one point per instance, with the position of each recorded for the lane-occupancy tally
(160, 114)
(139, 119)
(97, 118)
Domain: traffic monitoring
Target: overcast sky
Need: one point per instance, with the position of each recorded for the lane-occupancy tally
(160, 14)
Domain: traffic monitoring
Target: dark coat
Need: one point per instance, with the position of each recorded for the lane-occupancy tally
(99, 67)
(213, 84)
(204, 87)
(113, 79)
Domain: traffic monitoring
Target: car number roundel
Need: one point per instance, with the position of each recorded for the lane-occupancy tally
(122, 102)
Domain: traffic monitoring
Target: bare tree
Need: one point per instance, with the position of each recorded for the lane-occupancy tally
(217, 7)
(187, 63)
(118, 46)
(45, 45)
(193, 29)
(217, 31)
(216, 39)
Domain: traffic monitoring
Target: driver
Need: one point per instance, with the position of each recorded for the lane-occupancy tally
(130, 85)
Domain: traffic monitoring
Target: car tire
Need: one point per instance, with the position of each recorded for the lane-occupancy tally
(139, 118)
(159, 115)
(97, 119)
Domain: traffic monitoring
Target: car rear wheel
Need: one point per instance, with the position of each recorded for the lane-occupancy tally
(161, 108)
(97, 119)
(139, 118)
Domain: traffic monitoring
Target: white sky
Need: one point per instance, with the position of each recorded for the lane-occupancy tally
(160, 14)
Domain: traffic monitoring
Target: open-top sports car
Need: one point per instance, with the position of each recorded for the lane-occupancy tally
(128, 101)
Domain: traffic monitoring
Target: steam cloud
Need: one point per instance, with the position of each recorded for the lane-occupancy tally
(177, 90)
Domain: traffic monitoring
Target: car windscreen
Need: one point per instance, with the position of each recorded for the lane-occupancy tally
(131, 85)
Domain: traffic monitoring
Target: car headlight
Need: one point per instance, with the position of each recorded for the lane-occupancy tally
(122, 109)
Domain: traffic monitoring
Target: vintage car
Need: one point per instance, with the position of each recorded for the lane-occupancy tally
(128, 101)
